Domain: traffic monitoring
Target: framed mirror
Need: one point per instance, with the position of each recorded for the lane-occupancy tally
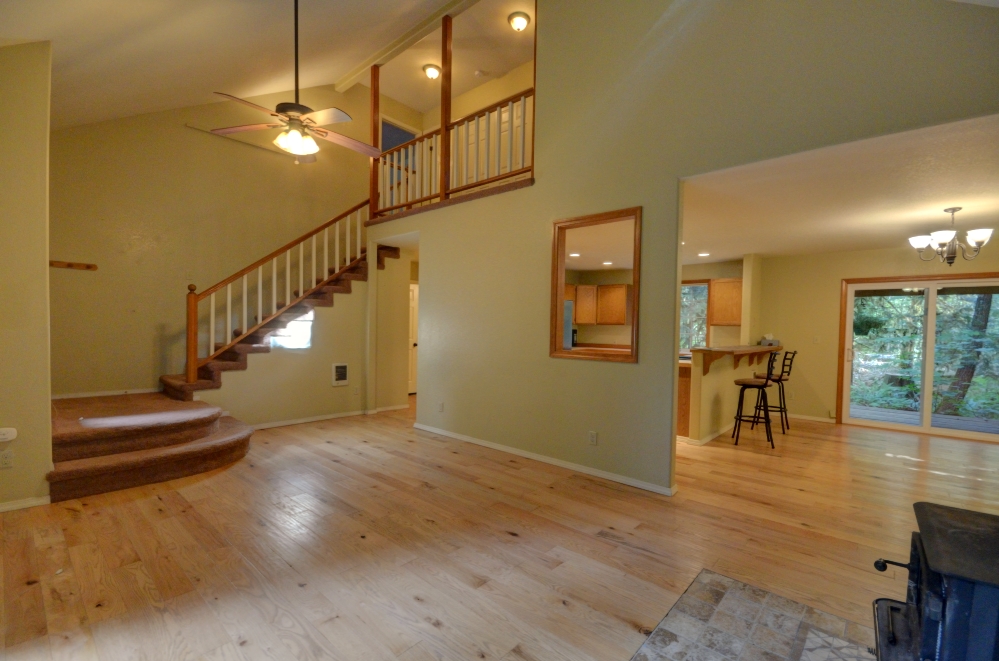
(595, 283)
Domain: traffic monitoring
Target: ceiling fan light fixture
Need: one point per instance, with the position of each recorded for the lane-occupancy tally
(519, 21)
(432, 70)
(295, 142)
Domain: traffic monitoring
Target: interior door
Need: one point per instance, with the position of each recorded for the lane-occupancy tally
(414, 327)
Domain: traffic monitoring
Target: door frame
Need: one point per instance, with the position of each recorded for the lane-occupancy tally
(845, 313)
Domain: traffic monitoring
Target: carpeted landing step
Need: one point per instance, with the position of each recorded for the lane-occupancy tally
(103, 444)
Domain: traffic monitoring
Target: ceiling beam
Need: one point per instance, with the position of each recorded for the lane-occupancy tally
(422, 29)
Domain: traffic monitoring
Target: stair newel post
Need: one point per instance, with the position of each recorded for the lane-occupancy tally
(445, 150)
(191, 372)
(376, 120)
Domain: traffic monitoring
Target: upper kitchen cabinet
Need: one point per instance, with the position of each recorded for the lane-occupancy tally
(725, 302)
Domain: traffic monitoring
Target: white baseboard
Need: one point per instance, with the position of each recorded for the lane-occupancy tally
(106, 393)
(12, 505)
(301, 421)
(579, 468)
(387, 408)
(813, 418)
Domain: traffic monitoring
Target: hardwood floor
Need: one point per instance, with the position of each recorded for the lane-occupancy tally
(360, 538)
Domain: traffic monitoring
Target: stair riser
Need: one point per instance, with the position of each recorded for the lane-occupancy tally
(143, 440)
(161, 472)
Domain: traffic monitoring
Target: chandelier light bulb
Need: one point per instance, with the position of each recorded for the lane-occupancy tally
(943, 237)
(978, 238)
(519, 21)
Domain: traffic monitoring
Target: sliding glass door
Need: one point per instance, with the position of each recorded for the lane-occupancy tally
(923, 354)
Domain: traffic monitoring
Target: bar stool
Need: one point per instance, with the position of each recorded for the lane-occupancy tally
(760, 386)
(781, 379)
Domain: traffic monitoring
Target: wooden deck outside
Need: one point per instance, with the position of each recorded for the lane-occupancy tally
(915, 418)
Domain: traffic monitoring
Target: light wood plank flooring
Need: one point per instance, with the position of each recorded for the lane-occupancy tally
(361, 538)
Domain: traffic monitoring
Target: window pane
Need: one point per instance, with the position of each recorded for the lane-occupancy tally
(296, 335)
(693, 316)
(887, 372)
(966, 369)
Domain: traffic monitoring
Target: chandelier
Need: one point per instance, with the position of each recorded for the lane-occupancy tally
(944, 243)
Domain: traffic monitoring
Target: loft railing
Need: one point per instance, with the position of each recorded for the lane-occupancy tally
(492, 144)
(488, 146)
(269, 286)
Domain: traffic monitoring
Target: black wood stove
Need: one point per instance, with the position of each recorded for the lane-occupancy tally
(951, 611)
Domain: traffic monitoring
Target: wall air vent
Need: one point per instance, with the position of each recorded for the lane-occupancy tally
(340, 374)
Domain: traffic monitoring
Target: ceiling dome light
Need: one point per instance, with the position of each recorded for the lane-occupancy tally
(519, 21)
(608, 263)
(944, 243)
(432, 70)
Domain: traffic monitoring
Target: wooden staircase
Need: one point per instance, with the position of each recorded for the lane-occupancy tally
(102, 444)
(234, 357)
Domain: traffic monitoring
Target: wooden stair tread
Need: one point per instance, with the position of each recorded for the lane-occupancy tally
(80, 418)
(84, 477)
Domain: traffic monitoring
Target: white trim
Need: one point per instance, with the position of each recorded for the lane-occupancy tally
(23, 503)
(386, 408)
(813, 418)
(107, 393)
(579, 468)
(300, 421)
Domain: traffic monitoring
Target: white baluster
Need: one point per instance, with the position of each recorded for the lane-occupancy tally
(244, 327)
(211, 324)
(499, 140)
(509, 136)
(228, 313)
(287, 277)
(358, 234)
(301, 268)
(475, 167)
(274, 286)
(523, 131)
(260, 294)
(336, 246)
(313, 282)
(326, 253)
(488, 140)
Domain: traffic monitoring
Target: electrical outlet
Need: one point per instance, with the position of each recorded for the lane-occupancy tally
(7, 459)
(440, 408)
(593, 438)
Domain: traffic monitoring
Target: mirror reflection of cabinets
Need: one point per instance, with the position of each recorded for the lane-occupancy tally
(595, 273)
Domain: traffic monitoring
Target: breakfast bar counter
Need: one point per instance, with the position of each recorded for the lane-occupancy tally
(713, 394)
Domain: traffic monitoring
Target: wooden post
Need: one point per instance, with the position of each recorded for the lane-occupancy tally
(191, 372)
(376, 120)
(445, 155)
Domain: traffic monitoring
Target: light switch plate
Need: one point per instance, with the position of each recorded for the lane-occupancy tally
(7, 434)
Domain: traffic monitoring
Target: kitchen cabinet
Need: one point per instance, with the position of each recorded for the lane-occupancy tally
(725, 302)
(586, 304)
(570, 293)
(612, 305)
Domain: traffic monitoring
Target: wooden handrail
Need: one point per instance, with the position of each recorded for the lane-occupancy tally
(260, 262)
(490, 180)
(496, 106)
(410, 143)
(277, 313)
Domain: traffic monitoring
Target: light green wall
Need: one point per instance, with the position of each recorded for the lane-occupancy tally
(677, 89)
(24, 276)
(801, 298)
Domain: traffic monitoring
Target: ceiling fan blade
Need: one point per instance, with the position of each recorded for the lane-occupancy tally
(245, 127)
(328, 116)
(344, 141)
(248, 103)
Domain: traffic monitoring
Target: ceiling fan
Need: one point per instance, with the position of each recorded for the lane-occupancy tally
(301, 123)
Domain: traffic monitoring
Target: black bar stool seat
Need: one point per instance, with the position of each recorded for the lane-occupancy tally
(762, 408)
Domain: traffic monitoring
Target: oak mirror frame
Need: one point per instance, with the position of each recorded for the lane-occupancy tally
(596, 262)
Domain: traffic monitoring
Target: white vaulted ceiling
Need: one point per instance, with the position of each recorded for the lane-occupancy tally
(868, 194)
(116, 58)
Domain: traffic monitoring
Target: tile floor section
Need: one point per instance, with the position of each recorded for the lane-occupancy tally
(721, 619)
